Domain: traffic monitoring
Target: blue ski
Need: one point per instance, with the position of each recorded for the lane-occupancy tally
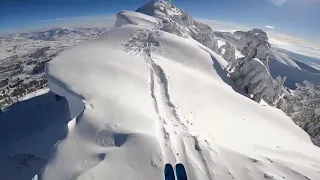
(181, 172)
(169, 172)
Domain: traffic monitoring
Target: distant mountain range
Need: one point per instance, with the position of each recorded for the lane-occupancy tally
(55, 34)
(24, 56)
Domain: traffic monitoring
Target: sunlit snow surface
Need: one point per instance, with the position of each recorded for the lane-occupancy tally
(139, 98)
(135, 113)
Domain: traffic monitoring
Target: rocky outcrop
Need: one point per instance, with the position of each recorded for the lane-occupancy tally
(175, 21)
(254, 44)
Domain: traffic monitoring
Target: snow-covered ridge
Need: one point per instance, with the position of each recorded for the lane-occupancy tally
(129, 17)
(174, 20)
(143, 97)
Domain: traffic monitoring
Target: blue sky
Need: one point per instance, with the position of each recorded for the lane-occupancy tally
(299, 18)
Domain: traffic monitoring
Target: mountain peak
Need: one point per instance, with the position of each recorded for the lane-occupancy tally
(160, 9)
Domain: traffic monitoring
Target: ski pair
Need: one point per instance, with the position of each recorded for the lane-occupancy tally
(180, 172)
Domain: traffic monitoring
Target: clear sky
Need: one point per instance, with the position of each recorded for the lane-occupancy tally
(299, 18)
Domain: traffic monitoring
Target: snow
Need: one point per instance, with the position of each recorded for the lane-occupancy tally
(139, 98)
(35, 94)
(317, 112)
(214, 56)
(4, 55)
(307, 66)
(283, 58)
(160, 9)
(222, 42)
(29, 52)
(299, 67)
(316, 66)
(294, 75)
(30, 129)
(129, 17)
(139, 112)
(238, 54)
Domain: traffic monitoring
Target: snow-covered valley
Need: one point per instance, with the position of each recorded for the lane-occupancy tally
(152, 91)
(23, 55)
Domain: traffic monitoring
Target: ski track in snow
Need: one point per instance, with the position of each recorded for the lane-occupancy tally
(170, 121)
(172, 127)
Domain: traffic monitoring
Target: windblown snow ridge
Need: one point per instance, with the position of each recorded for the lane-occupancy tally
(160, 93)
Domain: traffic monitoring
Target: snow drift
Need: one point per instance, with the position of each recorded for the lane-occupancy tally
(143, 97)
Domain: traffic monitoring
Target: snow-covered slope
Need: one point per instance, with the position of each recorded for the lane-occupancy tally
(143, 97)
(284, 59)
(129, 17)
(308, 67)
(300, 49)
(28, 133)
(308, 60)
(294, 75)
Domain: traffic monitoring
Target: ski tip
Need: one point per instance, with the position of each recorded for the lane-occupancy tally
(169, 172)
(181, 172)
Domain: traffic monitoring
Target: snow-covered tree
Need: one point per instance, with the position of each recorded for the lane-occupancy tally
(204, 35)
(263, 52)
(276, 91)
(143, 42)
(251, 72)
(253, 76)
(254, 44)
(227, 52)
(173, 28)
(205, 39)
(303, 106)
(215, 46)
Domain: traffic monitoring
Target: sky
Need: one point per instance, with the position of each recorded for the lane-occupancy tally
(295, 18)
